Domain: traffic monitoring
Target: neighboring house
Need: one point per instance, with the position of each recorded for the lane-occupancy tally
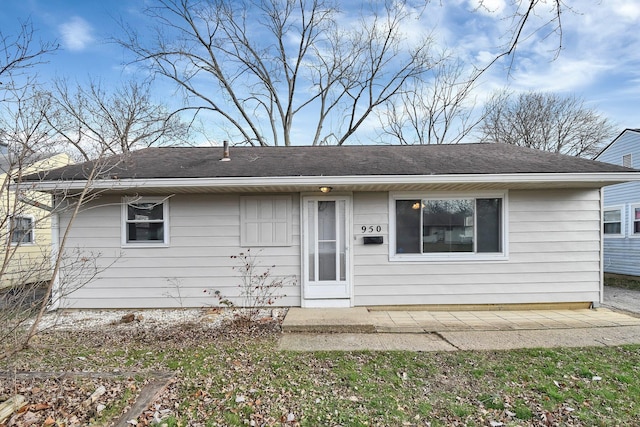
(621, 214)
(356, 225)
(26, 229)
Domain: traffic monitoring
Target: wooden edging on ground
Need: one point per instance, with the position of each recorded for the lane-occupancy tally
(148, 394)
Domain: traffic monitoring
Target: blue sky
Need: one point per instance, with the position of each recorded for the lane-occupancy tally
(599, 60)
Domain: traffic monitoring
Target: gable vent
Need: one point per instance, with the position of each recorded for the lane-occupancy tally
(627, 161)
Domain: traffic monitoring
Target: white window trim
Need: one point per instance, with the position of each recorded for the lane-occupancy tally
(452, 256)
(622, 221)
(165, 217)
(631, 212)
(32, 231)
(289, 209)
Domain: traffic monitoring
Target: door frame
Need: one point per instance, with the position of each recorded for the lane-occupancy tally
(348, 240)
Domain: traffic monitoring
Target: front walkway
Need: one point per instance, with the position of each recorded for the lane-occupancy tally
(357, 328)
(444, 321)
(363, 320)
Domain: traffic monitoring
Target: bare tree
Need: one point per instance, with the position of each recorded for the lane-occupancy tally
(26, 144)
(255, 63)
(438, 110)
(29, 265)
(24, 140)
(32, 257)
(94, 122)
(545, 121)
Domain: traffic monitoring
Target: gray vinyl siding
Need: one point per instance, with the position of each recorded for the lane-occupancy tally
(204, 232)
(553, 256)
(621, 255)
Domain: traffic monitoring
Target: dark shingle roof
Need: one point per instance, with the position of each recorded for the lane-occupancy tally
(204, 162)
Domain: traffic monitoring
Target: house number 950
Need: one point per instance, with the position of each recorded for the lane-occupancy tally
(371, 228)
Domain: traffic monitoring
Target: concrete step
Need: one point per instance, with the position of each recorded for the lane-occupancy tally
(328, 320)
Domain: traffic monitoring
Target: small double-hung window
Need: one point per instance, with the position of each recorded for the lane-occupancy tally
(635, 220)
(448, 227)
(612, 221)
(22, 230)
(145, 221)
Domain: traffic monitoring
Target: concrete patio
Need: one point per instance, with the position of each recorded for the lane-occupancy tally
(358, 329)
(364, 320)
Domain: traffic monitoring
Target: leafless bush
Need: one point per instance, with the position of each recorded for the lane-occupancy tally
(259, 288)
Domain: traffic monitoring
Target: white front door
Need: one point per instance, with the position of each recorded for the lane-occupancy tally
(326, 274)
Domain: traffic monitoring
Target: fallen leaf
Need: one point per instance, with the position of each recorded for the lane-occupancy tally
(40, 407)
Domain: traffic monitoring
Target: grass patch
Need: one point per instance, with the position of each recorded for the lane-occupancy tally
(115, 409)
(523, 413)
(491, 401)
(243, 380)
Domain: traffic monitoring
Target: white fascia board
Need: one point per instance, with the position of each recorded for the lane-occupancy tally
(606, 178)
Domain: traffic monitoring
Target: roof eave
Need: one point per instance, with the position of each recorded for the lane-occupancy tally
(597, 179)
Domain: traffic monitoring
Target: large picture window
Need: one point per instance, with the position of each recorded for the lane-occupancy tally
(145, 221)
(444, 226)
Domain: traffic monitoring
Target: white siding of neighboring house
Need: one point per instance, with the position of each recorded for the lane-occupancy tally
(622, 254)
(554, 256)
(204, 234)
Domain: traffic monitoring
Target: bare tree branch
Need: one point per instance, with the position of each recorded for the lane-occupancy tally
(19, 54)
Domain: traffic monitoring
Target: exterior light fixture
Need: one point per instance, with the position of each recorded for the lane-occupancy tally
(325, 189)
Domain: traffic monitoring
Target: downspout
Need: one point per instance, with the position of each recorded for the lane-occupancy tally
(601, 300)
(55, 248)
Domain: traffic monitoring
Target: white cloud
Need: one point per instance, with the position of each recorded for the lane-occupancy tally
(488, 7)
(76, 34)
(628, 10)
(561, 75)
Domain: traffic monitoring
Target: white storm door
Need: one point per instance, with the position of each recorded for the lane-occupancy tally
(326, 248)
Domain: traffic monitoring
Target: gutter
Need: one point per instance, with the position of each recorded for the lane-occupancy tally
(604, 178)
